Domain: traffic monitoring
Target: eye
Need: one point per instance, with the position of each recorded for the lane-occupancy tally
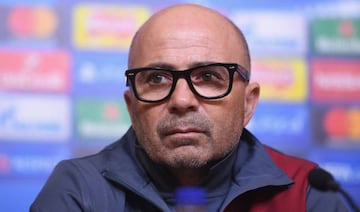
(154, 77)
(208, 76)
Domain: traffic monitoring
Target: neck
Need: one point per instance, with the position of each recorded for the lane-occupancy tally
(190, 176)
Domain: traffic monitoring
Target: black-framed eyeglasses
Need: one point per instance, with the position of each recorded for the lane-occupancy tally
(210, 81)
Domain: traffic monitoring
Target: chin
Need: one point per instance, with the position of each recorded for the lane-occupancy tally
(188, 159)
(187, 164)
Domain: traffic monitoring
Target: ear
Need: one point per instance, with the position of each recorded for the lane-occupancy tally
(128, 96)
(252, 93)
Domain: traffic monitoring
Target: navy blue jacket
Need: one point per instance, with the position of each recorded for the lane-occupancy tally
(113, 180)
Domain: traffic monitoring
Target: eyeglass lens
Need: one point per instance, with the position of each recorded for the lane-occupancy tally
(207, 81)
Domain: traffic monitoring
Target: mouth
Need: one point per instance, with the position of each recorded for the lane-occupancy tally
(180, 137)
(184, 131)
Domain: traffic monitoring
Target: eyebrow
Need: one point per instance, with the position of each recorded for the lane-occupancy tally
(172, 67)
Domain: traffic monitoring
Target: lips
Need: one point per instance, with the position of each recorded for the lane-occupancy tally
(180, 136)
(183, 130)
(184, 136)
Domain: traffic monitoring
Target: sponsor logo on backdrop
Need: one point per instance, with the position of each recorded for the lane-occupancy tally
(281, 79)
(281, 125)
(273, 32)
(29, 25)
(106, 26)
(335, 36)
(35, 70)
(336, 125)
(335, 79)
(100, 72)
(34, 118)
(101, 119)
(341, 163)
(33, 22)
(345, 172)
(30, 163)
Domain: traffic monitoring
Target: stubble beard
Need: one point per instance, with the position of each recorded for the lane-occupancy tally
(158, 149)
(180, 158)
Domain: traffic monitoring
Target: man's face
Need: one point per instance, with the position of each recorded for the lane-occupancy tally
(186, 131)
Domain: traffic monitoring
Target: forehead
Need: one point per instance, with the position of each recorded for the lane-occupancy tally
(186, 40)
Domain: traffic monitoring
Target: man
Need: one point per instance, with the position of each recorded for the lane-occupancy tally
(189, 101)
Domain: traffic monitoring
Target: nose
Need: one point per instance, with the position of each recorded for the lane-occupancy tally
(182, 99)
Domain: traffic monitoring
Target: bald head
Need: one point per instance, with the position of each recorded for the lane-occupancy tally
(187, 22)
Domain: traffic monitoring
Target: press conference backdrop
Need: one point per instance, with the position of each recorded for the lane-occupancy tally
(62, 81)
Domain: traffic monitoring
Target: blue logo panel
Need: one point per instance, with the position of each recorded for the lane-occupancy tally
(30, 161)
(99, 73)
(284, 126)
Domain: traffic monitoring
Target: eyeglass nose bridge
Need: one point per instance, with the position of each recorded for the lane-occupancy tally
(182, 74)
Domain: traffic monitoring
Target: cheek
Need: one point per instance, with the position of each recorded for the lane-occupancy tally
(230, 112)
(229, 123)
(145, 119)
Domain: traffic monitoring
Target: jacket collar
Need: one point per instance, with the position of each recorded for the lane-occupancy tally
(122, 167)
(216, 183)
(253, 168)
